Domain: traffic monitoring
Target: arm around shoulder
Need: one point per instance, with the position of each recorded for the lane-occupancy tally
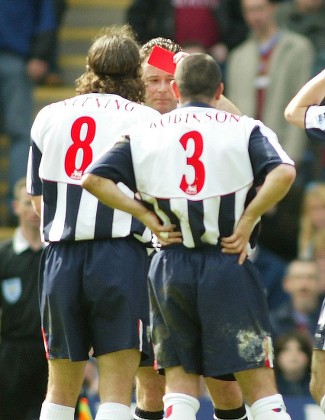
(312, 93)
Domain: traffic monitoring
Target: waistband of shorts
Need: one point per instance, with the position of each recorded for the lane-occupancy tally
(204, 248)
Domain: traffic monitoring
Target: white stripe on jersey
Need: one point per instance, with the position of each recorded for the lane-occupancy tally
(180, 208)
(211, 210)
(153, 201)
(121, 220)
(86, 219)
(29, 171)
(57, 227)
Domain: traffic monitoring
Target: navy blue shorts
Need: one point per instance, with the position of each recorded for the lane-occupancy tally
(209, 313)
(94, 294)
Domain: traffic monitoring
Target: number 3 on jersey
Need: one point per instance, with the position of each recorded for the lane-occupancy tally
(195, 162)
(80, 155)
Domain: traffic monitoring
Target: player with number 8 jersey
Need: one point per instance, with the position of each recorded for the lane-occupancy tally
(82, 126)
(87, 290)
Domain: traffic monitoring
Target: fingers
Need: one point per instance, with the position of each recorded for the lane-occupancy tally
(166, 235)
(242, 257)
(231, 244)
(178, 56)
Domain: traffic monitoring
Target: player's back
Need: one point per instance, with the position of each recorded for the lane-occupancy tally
(200, 160)
(66, 137)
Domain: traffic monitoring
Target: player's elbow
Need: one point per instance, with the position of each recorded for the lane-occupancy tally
(88, 182)
(288, 174)
(295, 116)
(288, 114)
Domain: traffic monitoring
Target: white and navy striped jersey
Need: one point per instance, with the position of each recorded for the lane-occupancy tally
(315, 122)
(65, 138)
(197, 167)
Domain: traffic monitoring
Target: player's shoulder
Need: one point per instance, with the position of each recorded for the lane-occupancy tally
(148, 110)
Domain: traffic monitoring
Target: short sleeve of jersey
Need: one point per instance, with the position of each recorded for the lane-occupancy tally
(265, 153)
(116, 164)
(315, 122)
(33, 182)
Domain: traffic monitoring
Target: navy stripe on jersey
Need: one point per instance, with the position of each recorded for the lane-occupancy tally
(196, 220)
(164, 205)
(34, 184)
(105, 216)
(137, 227)
(74, 193)
(226, 220)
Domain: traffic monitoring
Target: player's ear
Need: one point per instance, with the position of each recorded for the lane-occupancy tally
(175, 89)
(219, 91)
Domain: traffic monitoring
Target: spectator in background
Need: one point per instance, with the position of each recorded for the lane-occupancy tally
(292, 363)
(272, 74)
(216, 25)
(23, 363)
(306, 17)
(54, 76)
(261, 88)
(26, 37)
(312, 218)
(301, 311)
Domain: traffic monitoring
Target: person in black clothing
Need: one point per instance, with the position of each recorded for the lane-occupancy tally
(23, 362)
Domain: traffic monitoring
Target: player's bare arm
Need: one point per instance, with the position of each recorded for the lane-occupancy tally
(312, 93)
(108, 193)
(276, 185)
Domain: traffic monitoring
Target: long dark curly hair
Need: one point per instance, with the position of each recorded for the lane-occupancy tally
(113, 65)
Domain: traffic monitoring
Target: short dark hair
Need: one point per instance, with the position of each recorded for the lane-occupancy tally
(198, 75)
(165, 43)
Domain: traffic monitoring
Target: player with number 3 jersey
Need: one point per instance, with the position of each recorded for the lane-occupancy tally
(212, 175)
(94, 270)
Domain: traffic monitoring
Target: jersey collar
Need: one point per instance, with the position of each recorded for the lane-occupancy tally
(196, 104)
